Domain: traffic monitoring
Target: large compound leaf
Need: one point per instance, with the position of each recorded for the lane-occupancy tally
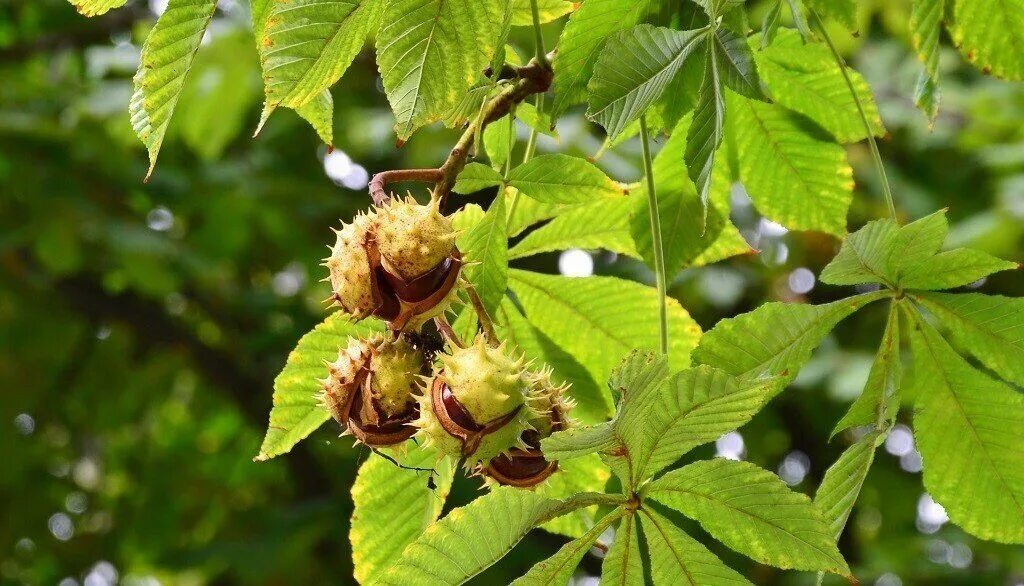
(471, 538)
(968, 429)
(430, 52)
(297, 411)
(880, 400)
(634, 69)
(805, 78)
(96, 7)
(558, 569)
(623, 565)
(775, 339)
(683, 242)
(988, 326)
(559, 178)
(795, 176)
(586, 474)
(393, 505)
(842, 483)
(580, 45)
(706, 131)
(307, 45)
(678, 559)
(990, 33)
(602, 224)
(925, 32)
(694, 407)
(487, 244)
(166, 60)
(753, 512)
(600, 319)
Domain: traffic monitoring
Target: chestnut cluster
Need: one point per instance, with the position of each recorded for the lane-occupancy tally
(478, 404)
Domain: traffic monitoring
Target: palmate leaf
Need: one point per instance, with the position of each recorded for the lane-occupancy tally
(600, 319)
(968, 429)
(925, 30)
(683, 242)
(166, 59)
(677, 558)
(794, 175)
(548, 10)
(297, 411)
(602, 224)
(623, 565)
(557, 570)
(881, 251)
(988, 326)
(805, 78)
(430, 52)
(694, 407)
(753, 512)
(880, 400)
(581, 41)
(843, 480)
(706, 131)
(307, 45)
(586, 474)
(392, 506)
(559, 178)
(592, 402)
(776, 339)
(736, 63)
(487, 244)
(990, 34)
(470, 539)
(634, 68)
(96, 7)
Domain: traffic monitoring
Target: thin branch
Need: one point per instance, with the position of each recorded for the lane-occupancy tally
(655, 218)
(446, 330)
(380, 181)
(483, 318)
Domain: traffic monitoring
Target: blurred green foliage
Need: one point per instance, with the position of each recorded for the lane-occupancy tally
(141, 324)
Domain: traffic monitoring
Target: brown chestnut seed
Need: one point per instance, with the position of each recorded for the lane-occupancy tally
(520, 468)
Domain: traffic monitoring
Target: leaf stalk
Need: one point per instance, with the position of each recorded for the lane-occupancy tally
(655, 220)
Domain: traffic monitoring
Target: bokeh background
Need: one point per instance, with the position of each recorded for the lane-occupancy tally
(141, 325)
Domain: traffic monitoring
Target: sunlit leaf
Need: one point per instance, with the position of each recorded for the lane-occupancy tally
(559, 178)
(990, 34)
(677, 558)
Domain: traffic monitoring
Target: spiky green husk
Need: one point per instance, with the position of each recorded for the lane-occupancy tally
(413, 238)
(548, 402)
(340, 382)
(349, 267)
(431, 435)
(395, 366)
(487, 381)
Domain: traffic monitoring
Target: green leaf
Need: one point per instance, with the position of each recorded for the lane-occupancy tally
(990, 34)
(694, 407)
(297, 411)
(320, 114)
(487, 244)
(471, 538)
(968, 429)
(559, 178)
(600, 319)
(430, 52)
(988, 326)
(580, 45)
(586, 474)
(953, 268)
(843, 481)
(677, 558)
(577, 442)
(559, 568)
(843, 11)
(736, 63)
(308, 44)
(602, 224)
(880, 400)
(794, 175)
(623, 565)
(776, 339)
(683, 241)
(96, 7)
(770, 24)
(392, 506)
(498, 141)
(806, 79)
(166, 59)
(706, 130)
(753, 512)
(592, 402)
(925, 31)
(476, 177)
(530, 211)
(638, 374)
(548, 10)
(634, 68)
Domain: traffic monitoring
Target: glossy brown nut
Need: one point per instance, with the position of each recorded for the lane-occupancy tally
(520, 468)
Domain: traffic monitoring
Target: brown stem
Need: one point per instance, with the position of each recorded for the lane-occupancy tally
(533, 78)
(483, 318)
(446, 330)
